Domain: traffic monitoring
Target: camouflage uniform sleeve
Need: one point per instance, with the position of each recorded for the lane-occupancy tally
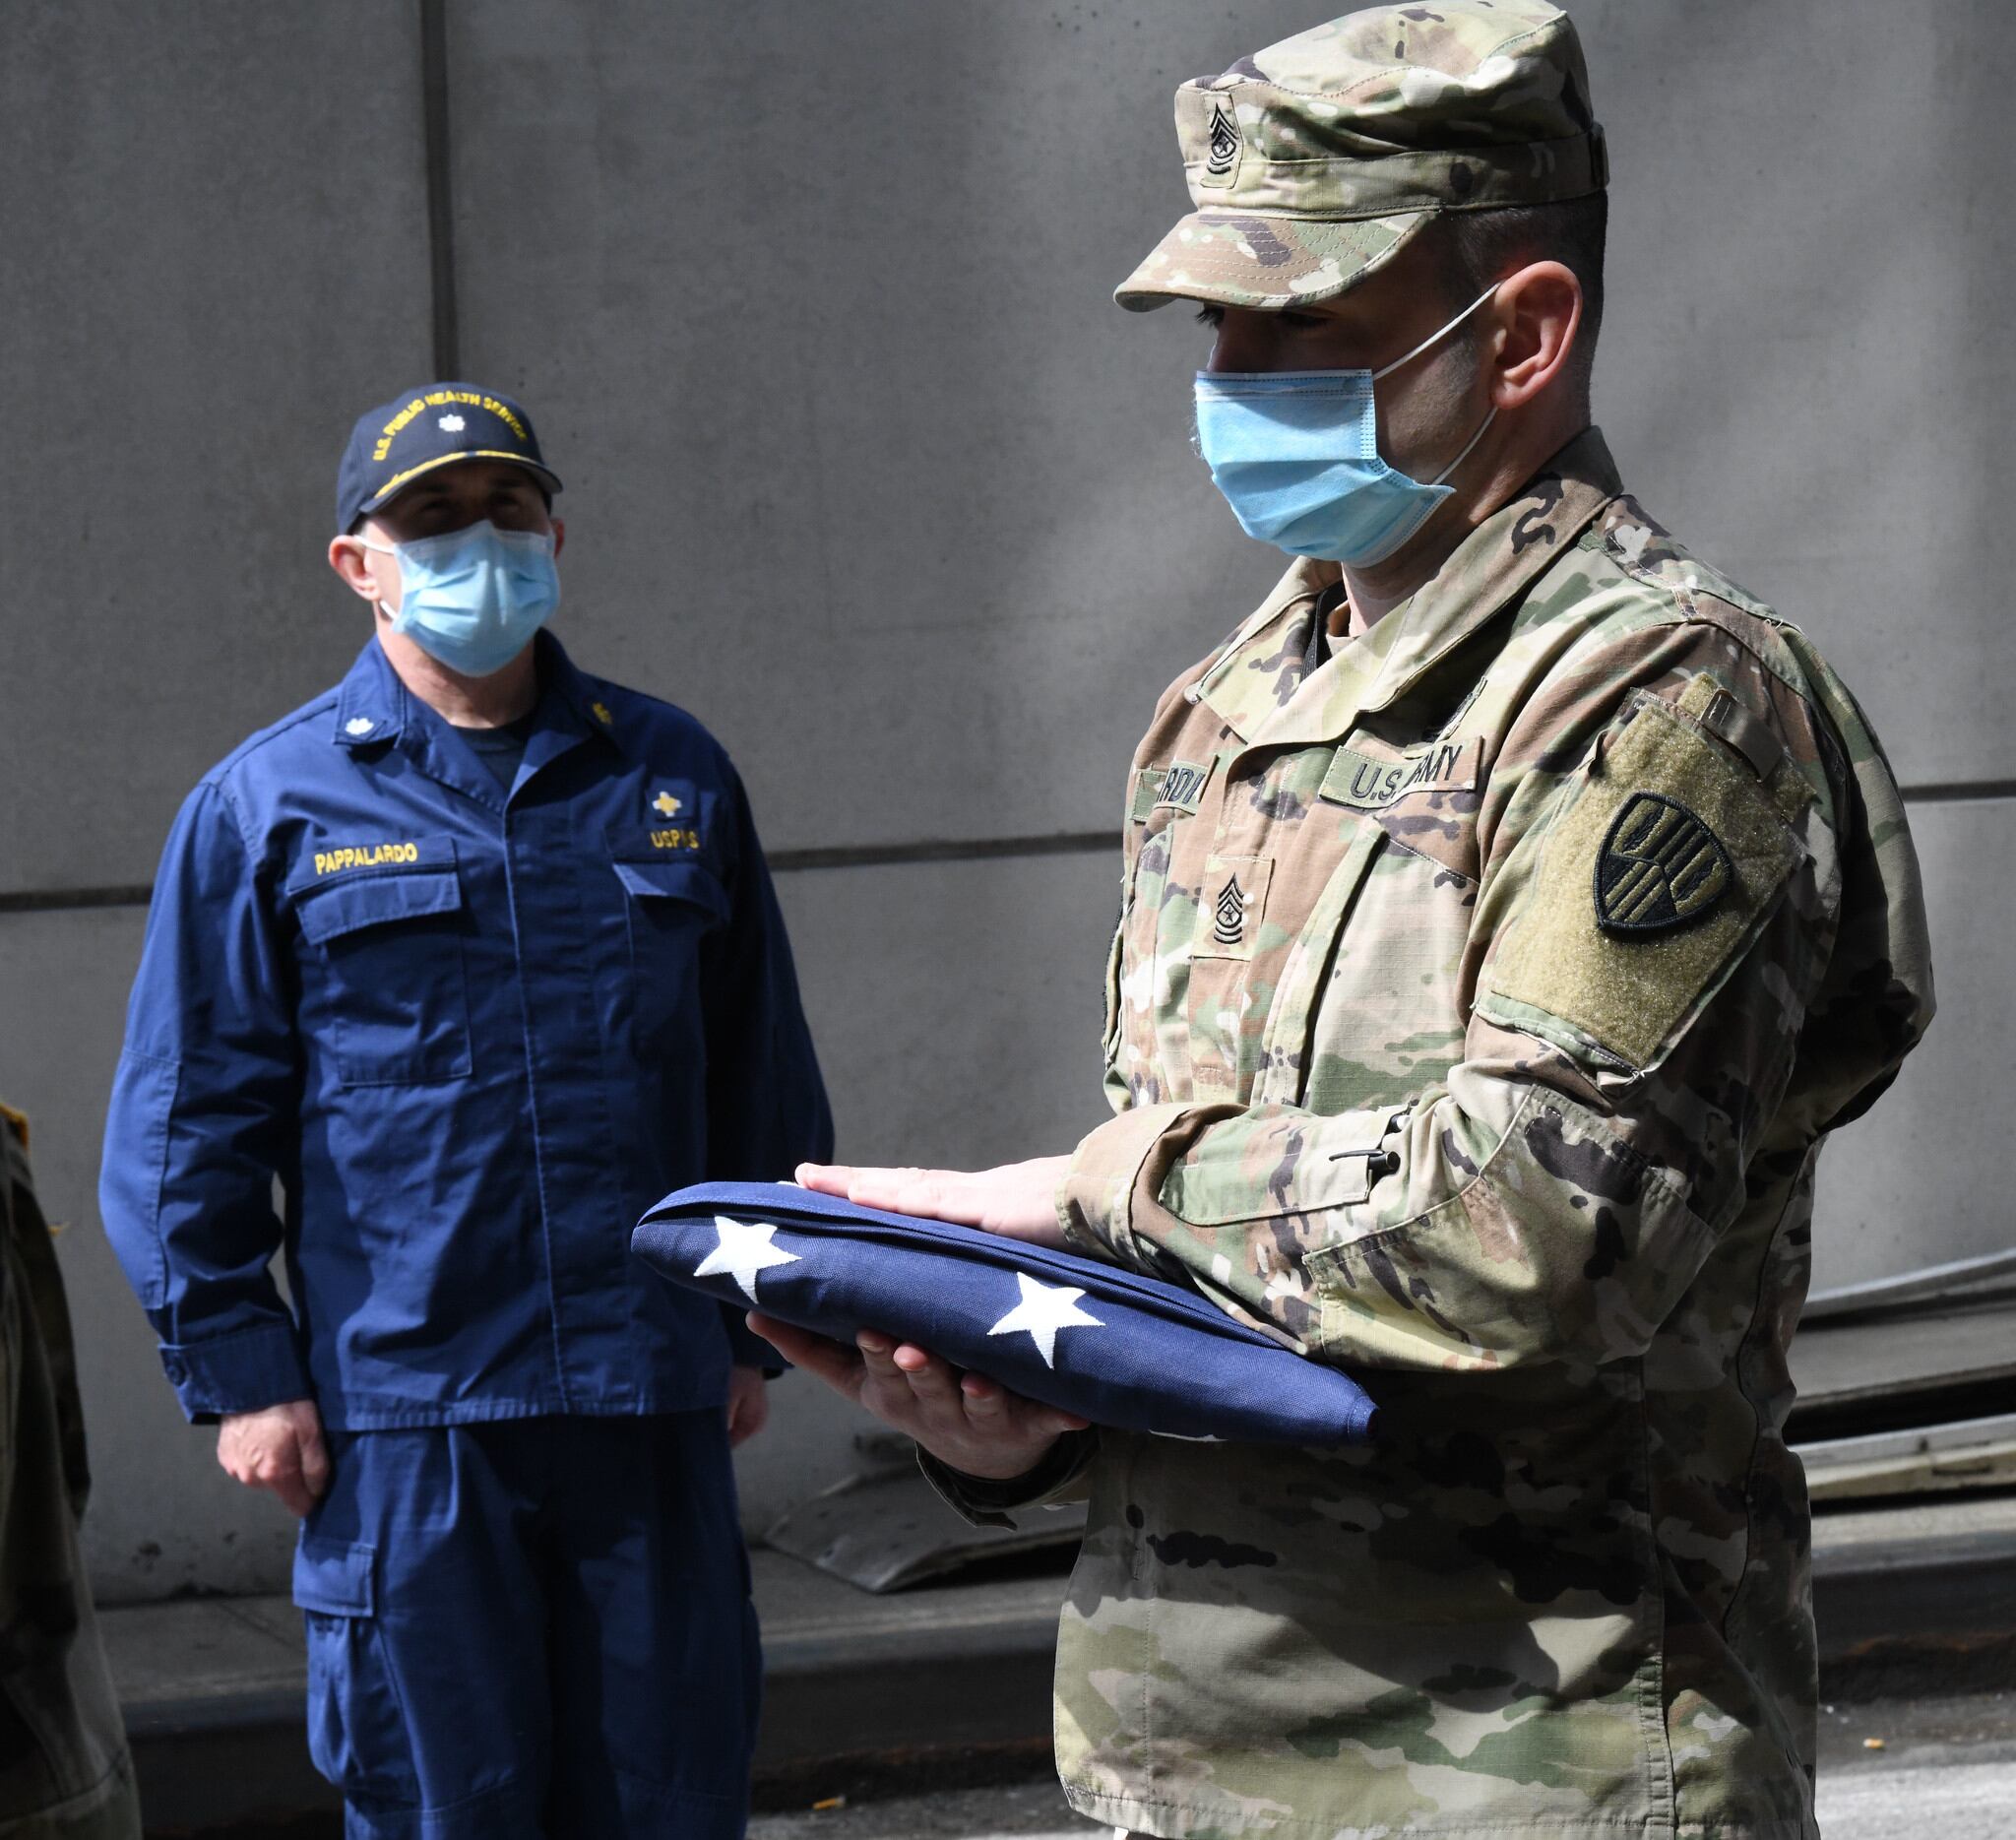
(1629, 1044)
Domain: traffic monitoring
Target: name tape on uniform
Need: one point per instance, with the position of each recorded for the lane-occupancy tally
(1179, 787)
(1367, 784)
(369, 856)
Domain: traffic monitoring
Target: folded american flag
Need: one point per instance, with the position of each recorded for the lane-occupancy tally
(1114, 1345)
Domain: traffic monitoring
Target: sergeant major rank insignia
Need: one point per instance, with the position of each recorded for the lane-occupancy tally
(1222, 147)
(1229, 917)
(1659, 867)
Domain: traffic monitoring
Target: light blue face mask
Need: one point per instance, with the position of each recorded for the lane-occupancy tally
(1296, 454)
(473, 599)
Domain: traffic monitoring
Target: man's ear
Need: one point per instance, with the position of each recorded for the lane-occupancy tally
(349, 558)
(1538, 316)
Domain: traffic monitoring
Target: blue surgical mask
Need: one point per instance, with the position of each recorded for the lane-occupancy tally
(1296, 454)
(473, 599)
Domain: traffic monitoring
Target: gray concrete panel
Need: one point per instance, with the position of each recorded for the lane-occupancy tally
(813, 305)
(958, 1006)
(1916, 1182)
(217, 258)
(1805, 373)
(863, 464)
(820, 320)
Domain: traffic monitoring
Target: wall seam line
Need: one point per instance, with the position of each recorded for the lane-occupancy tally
(782, 862)
(445, 330)
(896, 855)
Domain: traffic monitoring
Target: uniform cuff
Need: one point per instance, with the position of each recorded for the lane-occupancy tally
(983, 1502)
(1096, 1203)
(245, 1372)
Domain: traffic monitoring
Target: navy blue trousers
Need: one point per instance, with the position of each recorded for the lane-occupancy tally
(536, 1628)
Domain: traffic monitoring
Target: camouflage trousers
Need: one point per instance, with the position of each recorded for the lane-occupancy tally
(65, 1773)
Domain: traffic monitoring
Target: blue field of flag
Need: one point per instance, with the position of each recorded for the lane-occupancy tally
(1115, 1346)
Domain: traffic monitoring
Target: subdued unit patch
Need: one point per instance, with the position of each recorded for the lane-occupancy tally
(1626, 991)
(1659, 867)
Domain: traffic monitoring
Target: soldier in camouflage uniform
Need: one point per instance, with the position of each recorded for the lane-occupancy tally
(1506, 924)
(64, 1770)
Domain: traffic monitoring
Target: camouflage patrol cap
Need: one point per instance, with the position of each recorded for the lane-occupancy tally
(1313, 162)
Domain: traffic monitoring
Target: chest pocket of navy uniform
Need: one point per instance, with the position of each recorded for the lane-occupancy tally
(676, 892)
(387, 945)
(673, 900)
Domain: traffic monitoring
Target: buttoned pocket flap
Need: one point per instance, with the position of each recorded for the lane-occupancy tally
(334, 1577)
(407, 881)
(667, 877)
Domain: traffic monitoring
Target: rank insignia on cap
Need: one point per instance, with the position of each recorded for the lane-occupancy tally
(667, 806)
(1659, 867)
(1221, 147)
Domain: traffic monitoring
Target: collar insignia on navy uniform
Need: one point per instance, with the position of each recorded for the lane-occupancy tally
(667, 806)
(601, 714)
(1229, 921)
(1223, 142)
(1659, 867)
(358, 724)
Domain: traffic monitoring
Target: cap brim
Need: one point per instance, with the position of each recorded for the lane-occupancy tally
(1248, 259)
(399, 483)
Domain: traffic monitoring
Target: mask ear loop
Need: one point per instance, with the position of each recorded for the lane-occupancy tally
(1436, 338)
(1490, 416)
(384, 549)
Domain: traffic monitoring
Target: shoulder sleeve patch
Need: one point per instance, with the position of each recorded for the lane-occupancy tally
(1661, 869)
(1659, 866)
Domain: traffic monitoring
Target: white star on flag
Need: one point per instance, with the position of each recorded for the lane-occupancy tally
(1044, 1310)
(744, 1249)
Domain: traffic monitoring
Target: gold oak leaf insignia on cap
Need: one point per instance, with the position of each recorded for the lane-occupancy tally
(667, 805)
(1659, 867)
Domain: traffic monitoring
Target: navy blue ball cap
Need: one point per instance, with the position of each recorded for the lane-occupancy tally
(439, 424)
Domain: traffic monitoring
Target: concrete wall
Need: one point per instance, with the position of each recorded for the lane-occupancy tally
(863, 466)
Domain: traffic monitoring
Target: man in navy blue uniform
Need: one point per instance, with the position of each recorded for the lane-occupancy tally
(478, 956)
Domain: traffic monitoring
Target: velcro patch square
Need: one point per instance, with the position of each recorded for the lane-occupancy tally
(1685, 852)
